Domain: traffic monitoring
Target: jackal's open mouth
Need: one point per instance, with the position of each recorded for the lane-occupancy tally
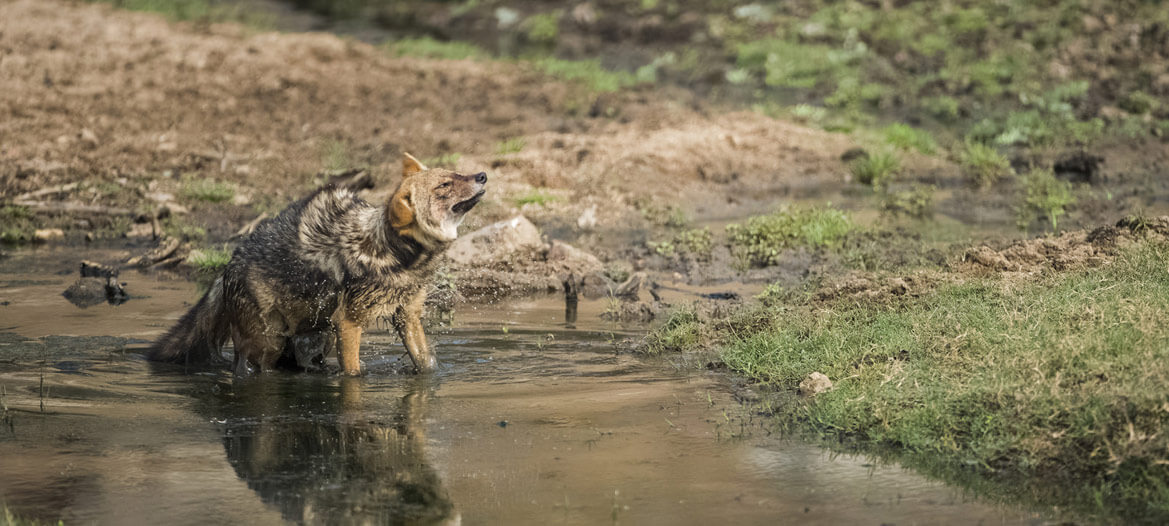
(464, 206)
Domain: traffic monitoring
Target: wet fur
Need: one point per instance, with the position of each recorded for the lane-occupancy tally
(304, 283)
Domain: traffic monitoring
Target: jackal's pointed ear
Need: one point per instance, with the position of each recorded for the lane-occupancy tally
(401, 210)
(410, 165)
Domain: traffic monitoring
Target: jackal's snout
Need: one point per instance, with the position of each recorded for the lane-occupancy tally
(476, 187)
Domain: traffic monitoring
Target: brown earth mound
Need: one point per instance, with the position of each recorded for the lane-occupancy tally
(106, 97)
(1069, 251)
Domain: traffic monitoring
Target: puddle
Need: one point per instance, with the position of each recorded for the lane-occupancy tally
(528, 421)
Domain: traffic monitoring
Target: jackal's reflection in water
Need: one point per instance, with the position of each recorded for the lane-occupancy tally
(322, 451)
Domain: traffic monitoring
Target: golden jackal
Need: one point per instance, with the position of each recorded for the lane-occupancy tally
(306, 281)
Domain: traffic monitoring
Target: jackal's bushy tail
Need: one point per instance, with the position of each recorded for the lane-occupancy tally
(199, 335)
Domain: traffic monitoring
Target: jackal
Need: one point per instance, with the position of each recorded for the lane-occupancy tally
(308, 280)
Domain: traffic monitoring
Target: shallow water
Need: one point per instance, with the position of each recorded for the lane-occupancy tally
(528, 421)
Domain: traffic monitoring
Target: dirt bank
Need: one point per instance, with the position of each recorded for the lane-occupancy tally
(127, 105)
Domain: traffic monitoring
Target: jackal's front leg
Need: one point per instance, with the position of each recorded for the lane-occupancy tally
(408, 322)
(350, 334)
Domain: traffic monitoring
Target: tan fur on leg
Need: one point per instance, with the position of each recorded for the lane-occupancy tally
(350, 345)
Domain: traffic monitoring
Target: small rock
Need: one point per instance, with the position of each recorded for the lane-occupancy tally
(587, 219)
(572, 259)
(633, 286)
(898, 286)
(43, 235)
(506, 17)
(90, 291)
(141, 230)
(496, 242)
(86, 292)
(584, 14)
(814, 384)
(160, 197)
(595, 285)
(89, 137)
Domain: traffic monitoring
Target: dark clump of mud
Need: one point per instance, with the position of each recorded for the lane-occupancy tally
(98, 284)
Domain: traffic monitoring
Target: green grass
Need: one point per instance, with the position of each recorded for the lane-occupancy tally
(427, 47)
(7, 518)
(196, 11)
(1044, 196)
(876, 170)
(543, 28)
(681, 331)
(907, 137)
(179, 228)
(209, 190)
(509, 146)
(697, 241)
(589, 73)
(917, 201)
(336, 155)
(209, 261)
(962, 67)
(446, 160)
(1056, 384)
(760, 240)
(536, 196)
(16, 224)
(983, 164)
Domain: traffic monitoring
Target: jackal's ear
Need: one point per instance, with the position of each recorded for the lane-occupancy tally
(401, 210)
(410, 165)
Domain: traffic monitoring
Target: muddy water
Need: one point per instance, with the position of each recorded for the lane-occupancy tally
(529, 421)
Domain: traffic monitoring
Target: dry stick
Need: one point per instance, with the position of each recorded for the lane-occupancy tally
(250, 227)
(73, 208)
(45, 191)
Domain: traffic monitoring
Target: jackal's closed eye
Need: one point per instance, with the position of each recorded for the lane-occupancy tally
(443, 185)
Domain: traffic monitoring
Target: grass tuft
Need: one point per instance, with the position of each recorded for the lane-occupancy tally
(209, 261)
(536, 196)
(509, 146)
(697, 241)
(197, 11)
(1044, 196)
(542, 28)
(446, 160)
(907, 137)
(427, 47)
(985, 165)
(7, 518)
(917, 201)
(760, 240)
(588, 72)
(681, 331)
(16, 224)
(209, 190)
(876, 170)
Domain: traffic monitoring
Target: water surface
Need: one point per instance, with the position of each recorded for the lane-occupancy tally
(528, 421)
